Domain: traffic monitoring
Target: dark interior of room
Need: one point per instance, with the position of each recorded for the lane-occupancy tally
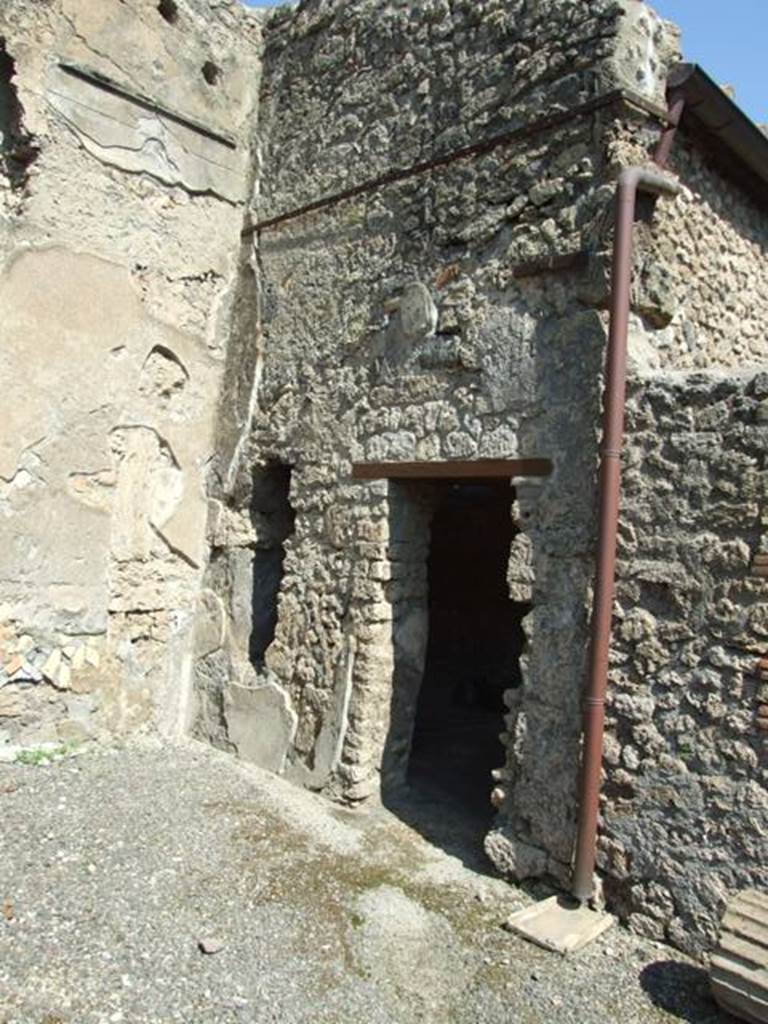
(273, 520)
(474, 646)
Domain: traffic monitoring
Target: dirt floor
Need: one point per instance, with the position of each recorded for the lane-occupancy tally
(151, 884)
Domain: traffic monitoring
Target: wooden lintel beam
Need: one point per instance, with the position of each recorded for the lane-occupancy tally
(473, 469)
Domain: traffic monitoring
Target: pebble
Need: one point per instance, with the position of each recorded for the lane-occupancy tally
(210, 945)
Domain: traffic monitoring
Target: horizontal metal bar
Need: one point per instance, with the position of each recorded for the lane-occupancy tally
(475, 149)
(473, 469)
(108, 85)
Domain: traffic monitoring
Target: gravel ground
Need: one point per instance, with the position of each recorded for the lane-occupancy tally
(117, 864)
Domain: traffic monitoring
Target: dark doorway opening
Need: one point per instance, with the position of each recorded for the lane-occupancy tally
(273, 520)
(475, 640)
(17, 149)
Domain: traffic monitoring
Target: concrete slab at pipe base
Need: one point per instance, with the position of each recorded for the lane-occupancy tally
(559, 925)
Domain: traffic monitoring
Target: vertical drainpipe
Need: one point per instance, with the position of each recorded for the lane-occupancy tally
(631, 181)
(676, 105)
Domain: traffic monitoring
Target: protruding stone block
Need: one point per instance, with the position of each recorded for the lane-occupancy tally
(260, 723)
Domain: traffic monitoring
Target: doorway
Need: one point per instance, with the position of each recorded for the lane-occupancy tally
(273, 519)
(475, 640)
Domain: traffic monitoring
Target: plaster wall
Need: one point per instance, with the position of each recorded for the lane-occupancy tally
(125, 178)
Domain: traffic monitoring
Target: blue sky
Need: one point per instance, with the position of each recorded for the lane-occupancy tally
(729, 40)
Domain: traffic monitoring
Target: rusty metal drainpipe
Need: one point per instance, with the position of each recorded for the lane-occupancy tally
(675, 108)
(631, 181)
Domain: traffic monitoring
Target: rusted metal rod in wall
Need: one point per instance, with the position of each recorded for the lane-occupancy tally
(631, 181)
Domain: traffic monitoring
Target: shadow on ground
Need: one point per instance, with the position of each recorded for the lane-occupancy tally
(429, 811)
(682, 990)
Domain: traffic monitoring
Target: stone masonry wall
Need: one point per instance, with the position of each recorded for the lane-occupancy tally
(685, 802)
(124, 170)
(685, 809)
(701, 276)
(406, 323)
(410, 322)
(169, 371)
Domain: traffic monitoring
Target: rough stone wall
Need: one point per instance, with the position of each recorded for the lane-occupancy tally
(685, 788)
(685, 819)
(399, 325)
(124, 170)
(717, 297)
(701, 279)
(374, 86)
(165, 371)
(685, 803)
(411, 322)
